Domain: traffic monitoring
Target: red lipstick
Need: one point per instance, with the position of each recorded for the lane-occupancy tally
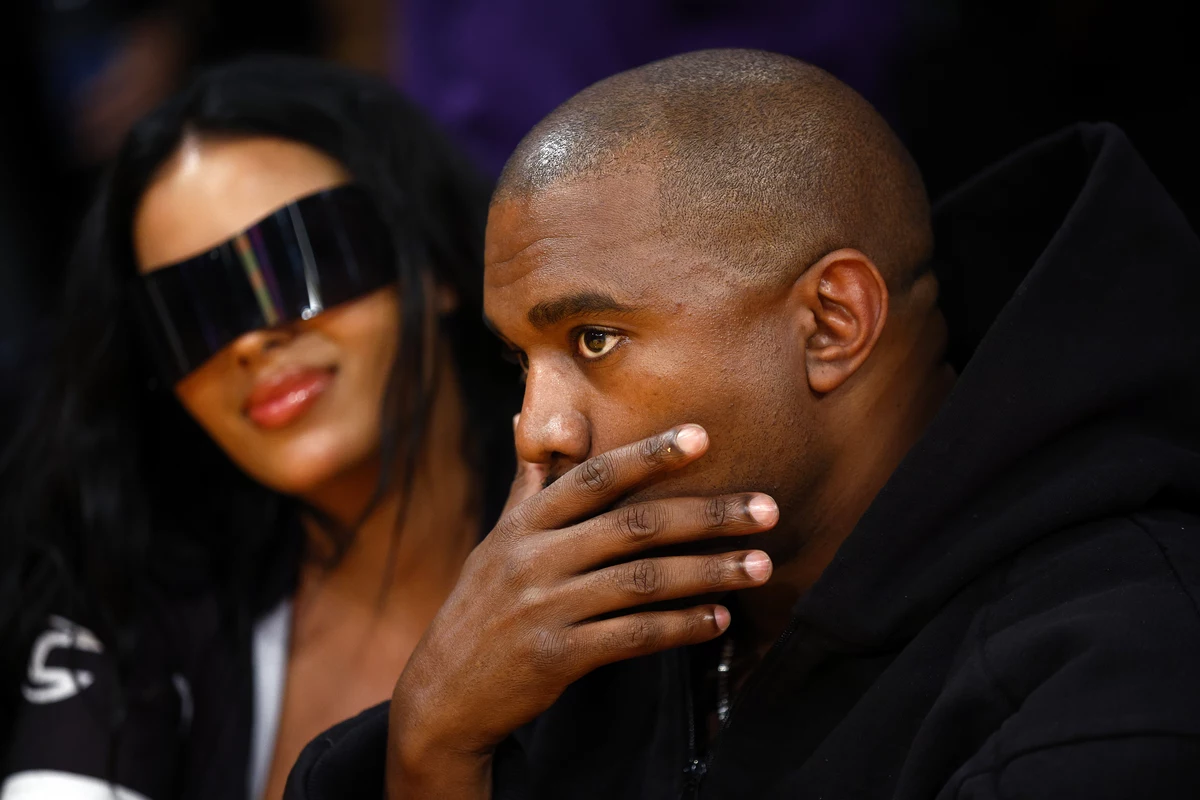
(281, 400)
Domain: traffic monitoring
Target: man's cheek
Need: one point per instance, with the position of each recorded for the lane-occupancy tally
(610, 434)
(631, 421)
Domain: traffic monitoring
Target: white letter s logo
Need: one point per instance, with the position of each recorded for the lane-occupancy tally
(53, 684)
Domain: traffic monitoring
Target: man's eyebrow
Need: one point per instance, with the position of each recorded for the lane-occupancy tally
(551, 312)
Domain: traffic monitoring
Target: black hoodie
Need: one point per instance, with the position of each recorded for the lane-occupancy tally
(1016, 615)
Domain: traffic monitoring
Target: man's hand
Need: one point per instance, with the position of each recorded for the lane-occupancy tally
(534, 608)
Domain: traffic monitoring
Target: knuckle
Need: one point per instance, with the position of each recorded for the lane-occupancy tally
(716, 512)
(530, 599)
(645, 578)
(596, 474)
(549, 648)
(643, 634)
(687, 626)
(654, 451)
(503, 527)
(513, 523)
(514, 570)
(714, 572)
(640, 523)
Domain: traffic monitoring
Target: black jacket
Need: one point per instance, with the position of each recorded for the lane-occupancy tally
(1016, 615)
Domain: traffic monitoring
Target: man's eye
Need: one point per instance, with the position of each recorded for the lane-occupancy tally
(596, 343)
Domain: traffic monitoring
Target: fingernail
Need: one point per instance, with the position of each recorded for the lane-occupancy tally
(763, 509)
(721, 617)
(757, 565)
(690, 439)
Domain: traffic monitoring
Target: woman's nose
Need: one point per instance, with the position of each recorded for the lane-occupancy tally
(251, 348)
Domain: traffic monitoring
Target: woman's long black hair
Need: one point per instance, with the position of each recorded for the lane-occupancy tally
(111, 490)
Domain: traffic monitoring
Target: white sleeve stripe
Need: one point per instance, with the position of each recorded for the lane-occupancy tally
(45, 784)
(271, 645)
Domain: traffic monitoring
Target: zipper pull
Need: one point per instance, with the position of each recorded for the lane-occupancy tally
(693, 774)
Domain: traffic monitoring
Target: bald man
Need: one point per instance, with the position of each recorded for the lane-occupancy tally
(806, 509)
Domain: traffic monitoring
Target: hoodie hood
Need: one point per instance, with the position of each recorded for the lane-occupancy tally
(1070, 282)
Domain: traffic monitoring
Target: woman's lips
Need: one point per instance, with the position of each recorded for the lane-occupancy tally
(279, 401)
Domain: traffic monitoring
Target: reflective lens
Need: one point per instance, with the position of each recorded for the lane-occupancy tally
(322, 250)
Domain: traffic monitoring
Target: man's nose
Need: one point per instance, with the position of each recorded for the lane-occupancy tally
(251, 348)
(552, 427)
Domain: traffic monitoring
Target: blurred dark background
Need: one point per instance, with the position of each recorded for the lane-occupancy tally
(962, 81)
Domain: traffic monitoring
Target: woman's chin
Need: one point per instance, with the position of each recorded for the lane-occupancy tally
(301, 485)
(306, 474)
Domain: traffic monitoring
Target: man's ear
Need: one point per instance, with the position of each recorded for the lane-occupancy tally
(847, 299)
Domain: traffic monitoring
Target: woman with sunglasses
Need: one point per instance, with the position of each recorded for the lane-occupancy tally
(274, 427)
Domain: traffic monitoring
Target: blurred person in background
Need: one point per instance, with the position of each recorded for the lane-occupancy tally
(105, 64)
(269, 435)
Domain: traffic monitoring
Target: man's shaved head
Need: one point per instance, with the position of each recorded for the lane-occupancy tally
(765, 161)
